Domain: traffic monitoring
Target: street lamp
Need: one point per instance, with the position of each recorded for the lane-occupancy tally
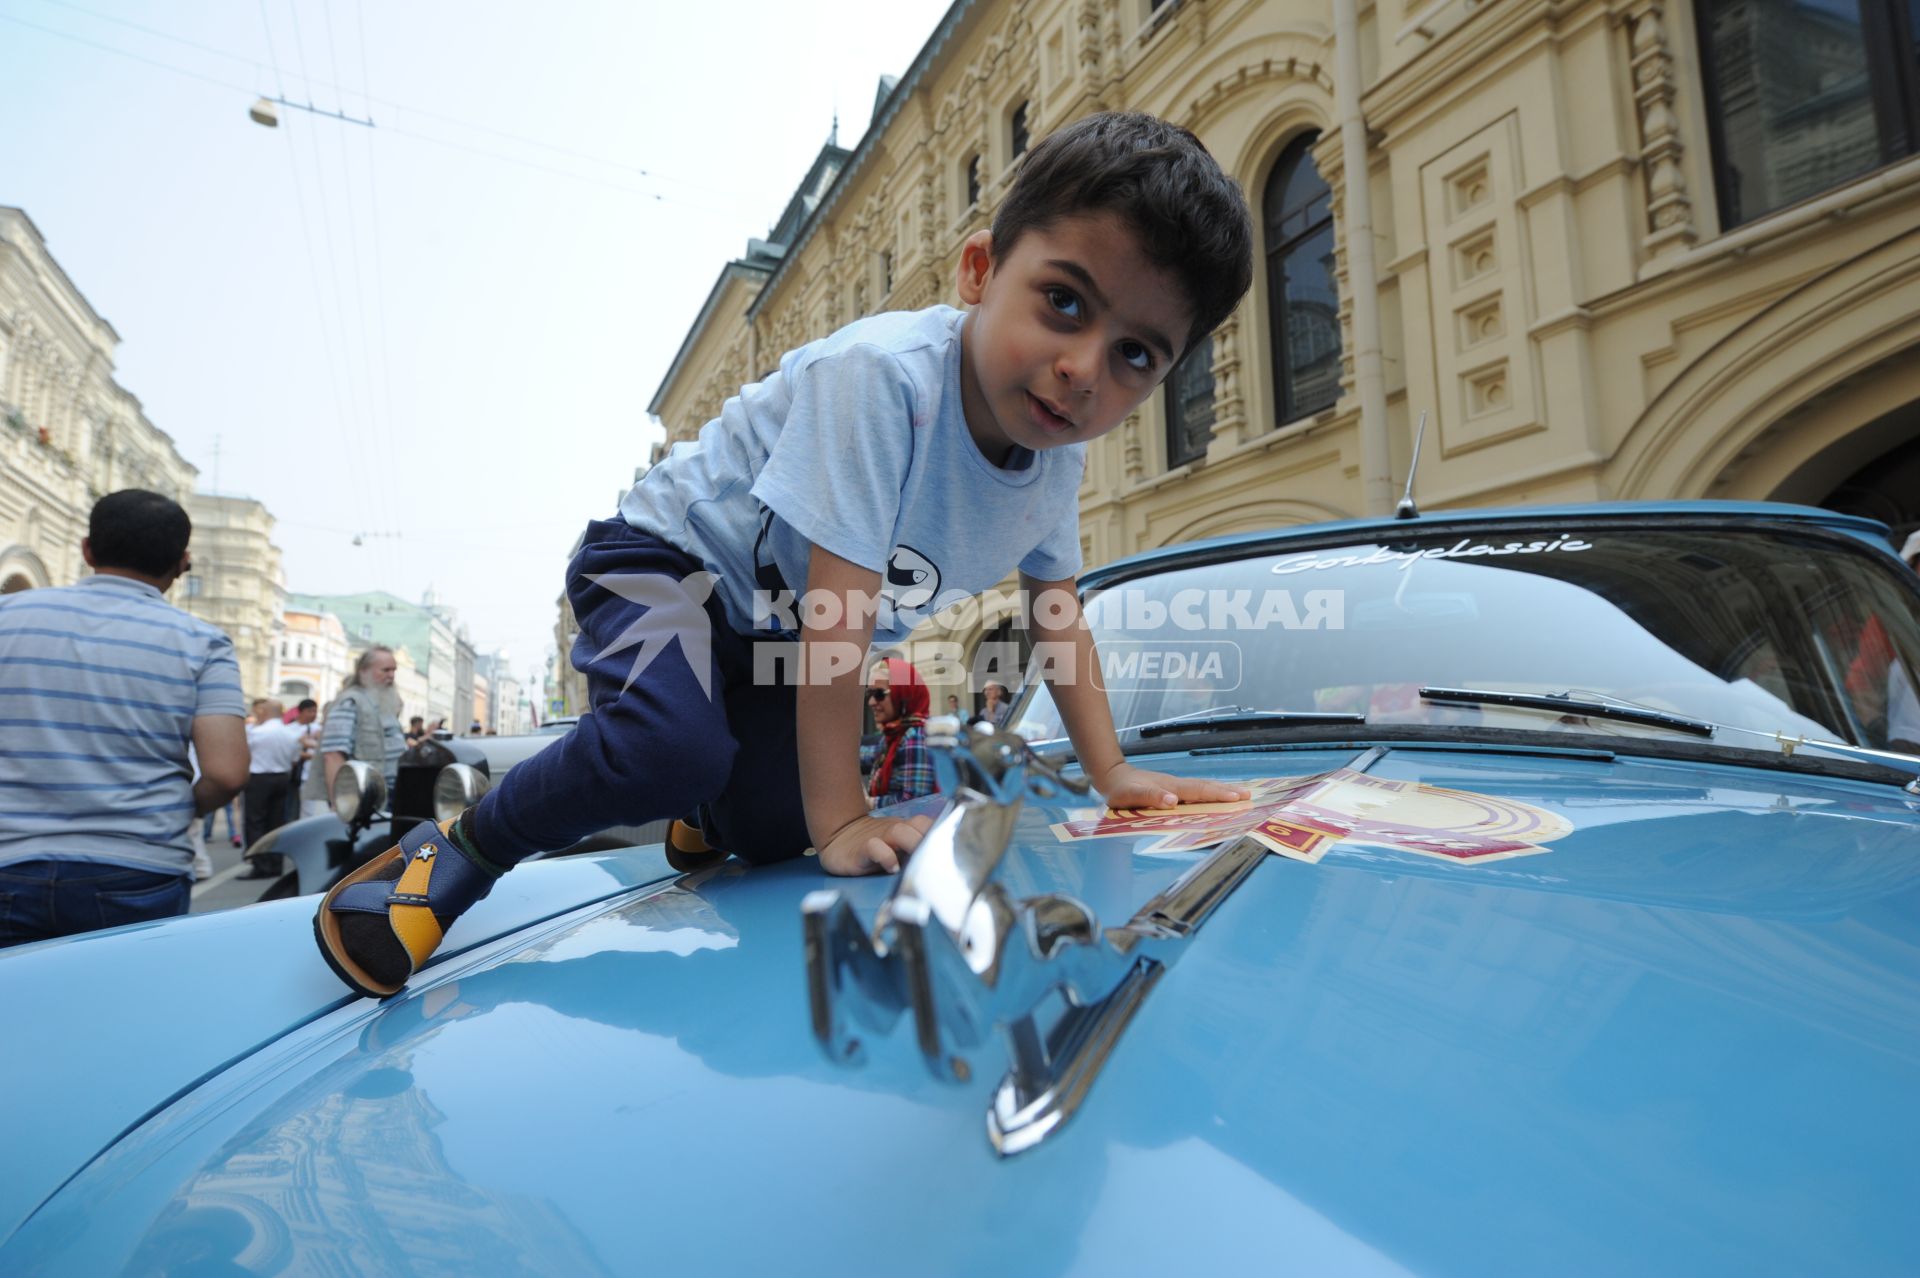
(267, 111)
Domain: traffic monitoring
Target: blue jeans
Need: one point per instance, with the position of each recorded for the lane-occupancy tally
(206, 829)
(44, 899)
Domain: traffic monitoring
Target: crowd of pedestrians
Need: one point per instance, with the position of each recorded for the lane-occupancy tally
(127, 736)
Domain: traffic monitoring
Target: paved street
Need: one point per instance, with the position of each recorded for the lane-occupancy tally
(226, 889)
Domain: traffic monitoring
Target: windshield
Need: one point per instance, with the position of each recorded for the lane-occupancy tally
(1765, 630)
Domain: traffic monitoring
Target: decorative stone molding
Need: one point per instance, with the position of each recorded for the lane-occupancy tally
(930, 208)
(1252, 76)
(1229, 402)
(1331, 161)
(1669, 212)
(1088, 22)
(1133, 461)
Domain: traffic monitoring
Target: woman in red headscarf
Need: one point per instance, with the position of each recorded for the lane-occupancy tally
(902, 767)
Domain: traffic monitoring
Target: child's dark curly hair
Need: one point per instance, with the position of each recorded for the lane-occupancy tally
(1191, 217)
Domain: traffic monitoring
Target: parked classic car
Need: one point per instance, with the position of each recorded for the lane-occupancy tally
(433, 780)
(1572, 925)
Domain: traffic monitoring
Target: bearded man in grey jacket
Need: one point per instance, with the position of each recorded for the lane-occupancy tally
(362, 723)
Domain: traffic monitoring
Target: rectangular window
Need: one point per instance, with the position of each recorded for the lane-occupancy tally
(1020, 137)
(973, 181)
(1805, 95)
(1190, 405)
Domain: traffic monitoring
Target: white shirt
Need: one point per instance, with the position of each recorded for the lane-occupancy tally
(275, 746)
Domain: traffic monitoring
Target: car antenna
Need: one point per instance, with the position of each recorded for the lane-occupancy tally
(1406, 509)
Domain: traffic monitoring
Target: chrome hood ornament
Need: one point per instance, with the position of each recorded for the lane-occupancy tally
(951, 946)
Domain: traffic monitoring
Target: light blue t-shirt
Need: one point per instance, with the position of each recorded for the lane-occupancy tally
(858, 445)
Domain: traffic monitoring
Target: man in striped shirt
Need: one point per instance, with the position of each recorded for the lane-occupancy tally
(103, 685)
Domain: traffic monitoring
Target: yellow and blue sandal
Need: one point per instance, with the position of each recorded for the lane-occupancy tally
(379, 925)
(688, 849)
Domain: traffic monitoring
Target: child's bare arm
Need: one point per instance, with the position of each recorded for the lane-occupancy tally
(1054, 613)
(833, 664)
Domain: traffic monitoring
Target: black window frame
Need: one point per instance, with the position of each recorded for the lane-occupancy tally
(971, 175)
(1185, 442)
(1019, 129)
(1893, 87)
(1298, 151)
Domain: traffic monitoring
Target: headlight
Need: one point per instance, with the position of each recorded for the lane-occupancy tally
(457, 788)
(358, 791)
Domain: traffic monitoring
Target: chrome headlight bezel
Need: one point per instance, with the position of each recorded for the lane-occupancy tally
(358, 791)
(457, 788)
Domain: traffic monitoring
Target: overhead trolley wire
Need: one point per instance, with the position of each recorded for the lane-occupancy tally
(385, 487)
(621, 165)
(373, 217)
(358, 423)
(107, 48)
(665, 201)
(334, 371)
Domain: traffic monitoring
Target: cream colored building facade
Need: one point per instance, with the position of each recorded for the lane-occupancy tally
(1595, 265)
(414, 687)
(237, 583)
(69, 434)
(427, 639)
(482, 704)
(315, 658)
(500, 704)
(512, 713)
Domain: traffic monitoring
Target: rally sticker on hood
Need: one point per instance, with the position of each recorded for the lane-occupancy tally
(1301, 817)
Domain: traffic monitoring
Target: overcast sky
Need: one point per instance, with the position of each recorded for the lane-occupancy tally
(433, 332)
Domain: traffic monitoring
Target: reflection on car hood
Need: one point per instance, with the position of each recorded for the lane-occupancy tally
(1684, 1036)
(145, 1013)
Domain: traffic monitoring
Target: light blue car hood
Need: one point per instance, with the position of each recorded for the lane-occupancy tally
(1684, 1038)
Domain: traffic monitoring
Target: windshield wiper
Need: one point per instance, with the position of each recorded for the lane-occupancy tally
(1611, 707)
(1223, 717)
(1567, 703)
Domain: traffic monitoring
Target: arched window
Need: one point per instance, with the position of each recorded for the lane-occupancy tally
(1190, 404)
(1303, 304)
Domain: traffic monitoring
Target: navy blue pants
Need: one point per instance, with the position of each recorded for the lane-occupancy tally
(655, 742)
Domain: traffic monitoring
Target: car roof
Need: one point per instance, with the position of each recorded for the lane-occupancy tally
(1678, 512)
